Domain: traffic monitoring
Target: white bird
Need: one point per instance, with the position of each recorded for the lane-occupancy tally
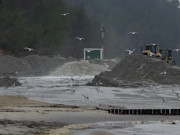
(29, 49)
(100, 83)
(64, 14)
(80, 38)
(14, 84)
(16, 72)
(151, 54)
(114, 60)
(176, 50)
(130, 51)
(133, 32)
(163, 73)
(106, 65)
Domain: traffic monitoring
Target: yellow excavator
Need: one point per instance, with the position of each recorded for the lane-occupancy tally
(152, 50)
(167, 56)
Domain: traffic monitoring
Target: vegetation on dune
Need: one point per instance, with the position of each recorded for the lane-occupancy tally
(39, 24)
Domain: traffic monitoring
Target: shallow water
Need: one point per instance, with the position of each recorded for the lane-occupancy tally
(131, 128)
(73, 91)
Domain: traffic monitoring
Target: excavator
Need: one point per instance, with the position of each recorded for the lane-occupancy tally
(152, 50)
(167, 56)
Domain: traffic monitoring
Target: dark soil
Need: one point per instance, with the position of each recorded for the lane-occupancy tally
(7, 81)
(139, 70)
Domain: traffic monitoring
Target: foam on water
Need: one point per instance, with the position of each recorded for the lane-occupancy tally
(73, 91)
(78, 68)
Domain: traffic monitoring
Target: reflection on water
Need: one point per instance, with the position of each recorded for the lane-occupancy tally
(131, 128)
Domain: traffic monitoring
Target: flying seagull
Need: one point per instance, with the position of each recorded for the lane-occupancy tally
(130, 51)
(80, 38)
(133, 32)
(98, 89)
(64, 14)
(29, 49)
(176, 50)
(151, 54)
(85, 97)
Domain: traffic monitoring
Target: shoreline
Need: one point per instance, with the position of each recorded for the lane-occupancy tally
(19, 115)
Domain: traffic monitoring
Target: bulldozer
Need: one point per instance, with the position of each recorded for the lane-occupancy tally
(152, 50)
(167, 56)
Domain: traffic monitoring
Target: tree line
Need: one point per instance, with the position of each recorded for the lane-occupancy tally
(39, 24)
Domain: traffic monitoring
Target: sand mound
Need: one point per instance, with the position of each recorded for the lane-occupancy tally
(6, 81)
(137, 70)
(78, 68)
(32, 65)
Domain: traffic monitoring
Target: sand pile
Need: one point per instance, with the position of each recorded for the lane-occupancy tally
(32, 65)
(79, 68)
(6, 81)
(138, 70)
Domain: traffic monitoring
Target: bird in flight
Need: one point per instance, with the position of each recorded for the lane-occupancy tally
(151, 54)
(80, 38)
(130, 51)
(64, 14)
(29, 49)
(176, 50)
(133, 32)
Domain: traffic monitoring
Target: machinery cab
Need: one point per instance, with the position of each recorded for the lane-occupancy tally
(167, 56)
(152, 48)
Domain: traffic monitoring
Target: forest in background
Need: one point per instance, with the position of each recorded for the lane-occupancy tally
(39, 24)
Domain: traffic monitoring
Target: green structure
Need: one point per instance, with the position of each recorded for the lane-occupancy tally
(93, 53)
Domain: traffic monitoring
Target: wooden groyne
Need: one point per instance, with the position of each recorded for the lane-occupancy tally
(144, 111)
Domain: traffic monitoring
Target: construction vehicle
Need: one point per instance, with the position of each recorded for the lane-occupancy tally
(152, 50)
(167, 56)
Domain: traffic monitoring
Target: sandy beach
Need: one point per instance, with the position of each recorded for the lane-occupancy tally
(19, 115)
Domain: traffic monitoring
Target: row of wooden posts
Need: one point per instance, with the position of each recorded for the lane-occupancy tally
(144, 111)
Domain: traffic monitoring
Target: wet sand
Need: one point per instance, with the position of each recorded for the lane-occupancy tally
(19, 115)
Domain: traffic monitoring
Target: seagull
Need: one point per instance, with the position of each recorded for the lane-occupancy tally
(163, 73)
(151, 54)
(64, 14)
(100, 83)
(29, 49)
(176, 50)
(98, 89)
(114, 60)
(80, 38)
(133, 32)
(164, 99)
(72, 91)
(130, 51)
(72, 79)
(86, 97)
(14, 84)
(106, 65)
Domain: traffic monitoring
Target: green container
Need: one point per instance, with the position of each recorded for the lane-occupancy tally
(93, 53)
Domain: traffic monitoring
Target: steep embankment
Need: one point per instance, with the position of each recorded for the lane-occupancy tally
(138, 70)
